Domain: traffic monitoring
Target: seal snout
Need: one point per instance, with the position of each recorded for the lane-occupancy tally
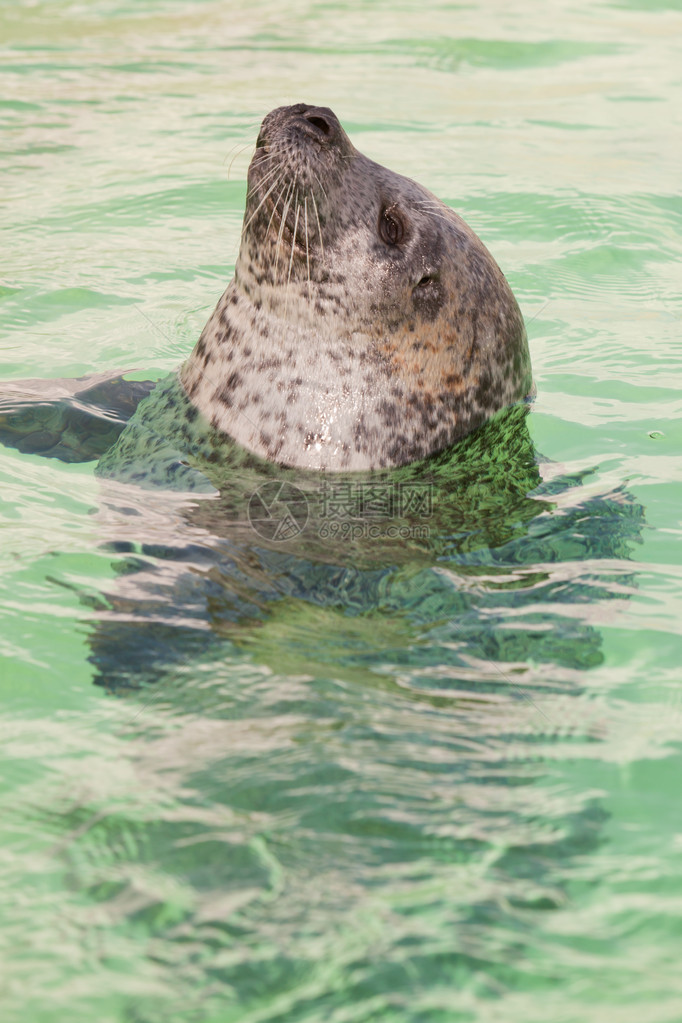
(302, 153)
(299, 125)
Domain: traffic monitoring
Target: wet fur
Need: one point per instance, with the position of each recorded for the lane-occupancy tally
(333, 348)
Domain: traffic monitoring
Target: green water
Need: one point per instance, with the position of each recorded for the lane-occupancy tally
(381, 796)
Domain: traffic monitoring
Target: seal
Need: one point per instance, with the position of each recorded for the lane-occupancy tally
(366, 326)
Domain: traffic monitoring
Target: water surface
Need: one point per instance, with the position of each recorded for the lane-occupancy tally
(435, 781)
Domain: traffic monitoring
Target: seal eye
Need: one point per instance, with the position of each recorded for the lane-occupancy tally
(391, 227)
(426, 284)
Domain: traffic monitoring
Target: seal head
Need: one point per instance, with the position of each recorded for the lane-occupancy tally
(366, 326)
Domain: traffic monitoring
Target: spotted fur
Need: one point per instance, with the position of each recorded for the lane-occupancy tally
(366, 326)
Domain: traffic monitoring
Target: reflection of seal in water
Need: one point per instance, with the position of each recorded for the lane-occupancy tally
(366, 324)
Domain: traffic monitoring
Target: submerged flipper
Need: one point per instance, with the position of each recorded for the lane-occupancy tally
(74, 420)
(162, 445)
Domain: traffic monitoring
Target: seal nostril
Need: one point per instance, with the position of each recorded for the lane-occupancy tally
(319, 122)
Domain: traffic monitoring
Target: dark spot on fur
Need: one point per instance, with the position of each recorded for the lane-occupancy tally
(391, 414)
(225, 396)
(270, 363)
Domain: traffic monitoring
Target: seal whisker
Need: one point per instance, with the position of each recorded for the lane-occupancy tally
(321, 186)
(274, 210)
(319, 227)
(291, 258)
(437, 213)
(263, 181)
(238, 153)
(432, 207)
(285, 214)
(429, 206)
(273, 186)
(269, 158)
(251, 128)
(439, 216)
(239, 146)
(440, 209)
(307, 252)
